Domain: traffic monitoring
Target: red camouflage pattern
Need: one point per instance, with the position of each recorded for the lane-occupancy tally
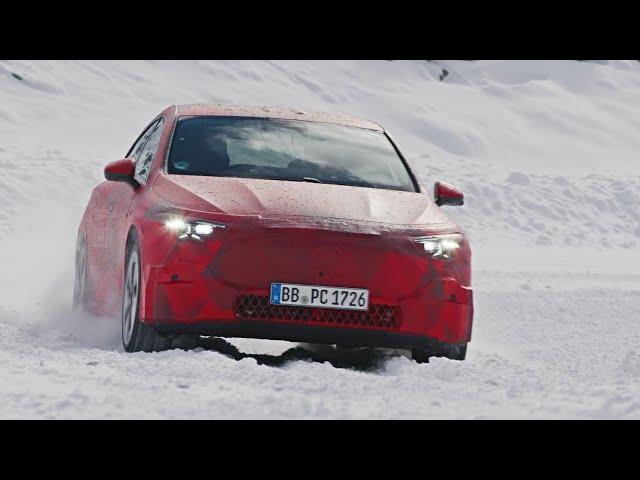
(276, 231)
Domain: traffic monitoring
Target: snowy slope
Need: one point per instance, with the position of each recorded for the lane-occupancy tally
(546, 153)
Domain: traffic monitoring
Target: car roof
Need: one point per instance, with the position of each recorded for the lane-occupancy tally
(201, 109)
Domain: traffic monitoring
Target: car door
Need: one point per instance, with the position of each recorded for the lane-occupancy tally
(118, 204)
(110, 202)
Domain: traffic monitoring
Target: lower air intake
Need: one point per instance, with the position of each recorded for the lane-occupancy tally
(254, 307)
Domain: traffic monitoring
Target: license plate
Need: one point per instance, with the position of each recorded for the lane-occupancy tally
(319, 296)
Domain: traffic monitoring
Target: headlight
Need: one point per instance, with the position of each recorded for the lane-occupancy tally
(441, 247)
(191, 229)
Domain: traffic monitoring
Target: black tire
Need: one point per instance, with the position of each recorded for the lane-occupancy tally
(453, 352)
(185, 341)
(80, 279)
(136, 335)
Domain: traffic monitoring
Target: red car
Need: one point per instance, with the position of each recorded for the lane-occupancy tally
(277, 224)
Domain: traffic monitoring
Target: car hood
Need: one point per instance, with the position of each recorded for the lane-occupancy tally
(275, 199)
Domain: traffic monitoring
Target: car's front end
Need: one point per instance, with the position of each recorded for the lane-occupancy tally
(212, 277)
(306, 229)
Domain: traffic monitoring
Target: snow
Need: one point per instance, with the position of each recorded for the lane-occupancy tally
(545, 151)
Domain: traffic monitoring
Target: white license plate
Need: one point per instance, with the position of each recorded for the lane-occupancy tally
(319, 296)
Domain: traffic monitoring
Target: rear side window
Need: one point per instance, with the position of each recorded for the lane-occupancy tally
(135, 151)
(145, 155)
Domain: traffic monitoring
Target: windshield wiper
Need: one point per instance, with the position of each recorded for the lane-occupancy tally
(352, 183)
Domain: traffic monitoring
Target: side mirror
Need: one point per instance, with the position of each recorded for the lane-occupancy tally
(121, 171)
(445, 194)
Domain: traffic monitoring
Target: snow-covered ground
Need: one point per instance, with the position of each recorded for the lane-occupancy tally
(546, 152)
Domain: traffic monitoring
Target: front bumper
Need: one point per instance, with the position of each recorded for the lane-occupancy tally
(220, 287)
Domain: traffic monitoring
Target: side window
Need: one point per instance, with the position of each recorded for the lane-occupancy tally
(148, 152)
(137, 147)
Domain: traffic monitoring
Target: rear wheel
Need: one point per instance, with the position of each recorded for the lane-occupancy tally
(454, 352)
(80, 279)
(136, 335)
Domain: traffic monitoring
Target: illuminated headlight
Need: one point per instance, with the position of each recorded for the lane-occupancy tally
(195, 230)
(441, 247)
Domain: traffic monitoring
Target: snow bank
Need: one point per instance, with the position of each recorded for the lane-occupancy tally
(546, 151)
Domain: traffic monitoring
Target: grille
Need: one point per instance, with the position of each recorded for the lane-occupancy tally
(254, 307)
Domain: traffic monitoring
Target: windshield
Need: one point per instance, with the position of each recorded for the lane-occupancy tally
(287, 150)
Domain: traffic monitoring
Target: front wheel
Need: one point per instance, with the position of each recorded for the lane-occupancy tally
(136, 335)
